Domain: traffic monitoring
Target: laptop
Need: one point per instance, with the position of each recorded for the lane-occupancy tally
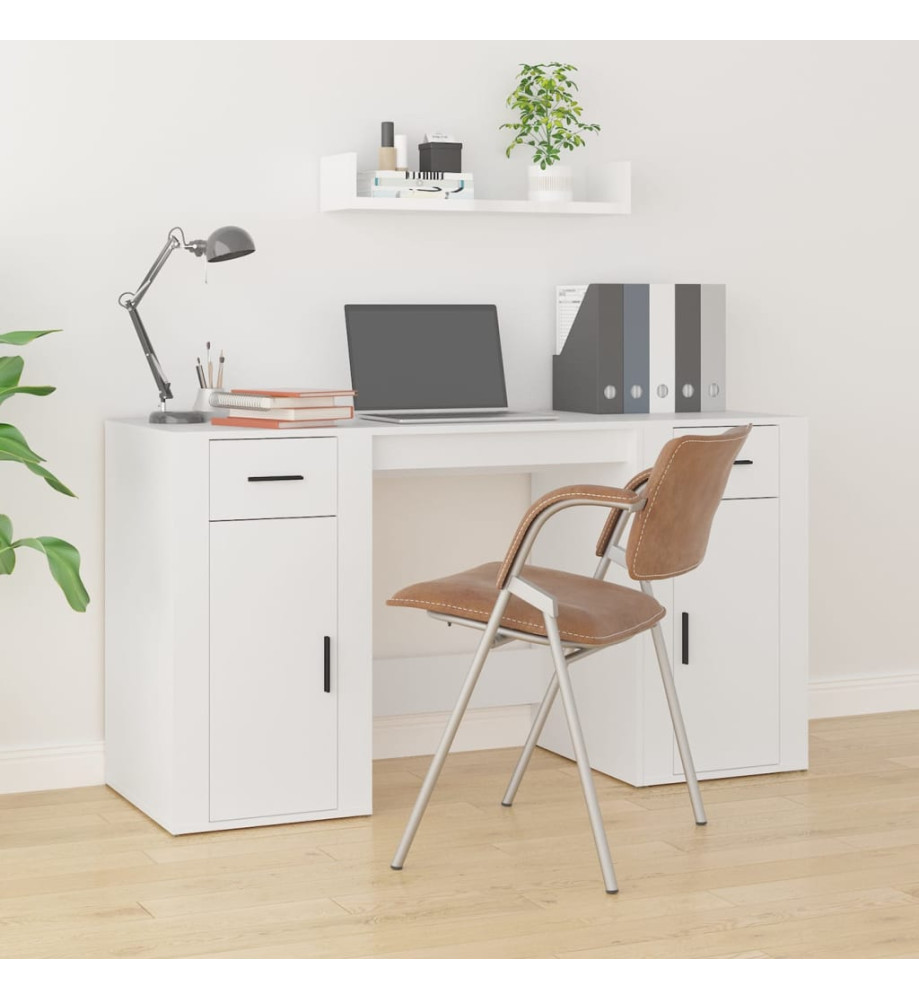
(413, 364)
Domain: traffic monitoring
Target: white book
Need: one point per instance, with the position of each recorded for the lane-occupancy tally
(289, 413)
(293, 399)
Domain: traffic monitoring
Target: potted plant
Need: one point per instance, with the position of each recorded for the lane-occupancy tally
(550, 122)
(63, 558)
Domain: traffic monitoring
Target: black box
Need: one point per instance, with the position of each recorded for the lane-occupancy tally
(440, 157)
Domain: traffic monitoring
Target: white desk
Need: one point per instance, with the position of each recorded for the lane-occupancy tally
(225, 704)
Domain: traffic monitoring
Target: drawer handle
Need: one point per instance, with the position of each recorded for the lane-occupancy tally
(685, 656)
(743, 461)
(327, 663)
(274, 479)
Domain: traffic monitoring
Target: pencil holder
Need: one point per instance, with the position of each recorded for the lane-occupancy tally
(203, 402)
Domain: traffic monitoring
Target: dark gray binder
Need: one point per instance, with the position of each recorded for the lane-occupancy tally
(688, 349)
(636, 348)
(587, 376)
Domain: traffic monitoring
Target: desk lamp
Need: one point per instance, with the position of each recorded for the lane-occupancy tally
(223, 244)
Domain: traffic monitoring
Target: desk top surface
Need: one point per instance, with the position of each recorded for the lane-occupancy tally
(591, 422)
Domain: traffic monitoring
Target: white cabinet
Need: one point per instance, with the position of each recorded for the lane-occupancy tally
(725, 637)
(743, 687)
(237, 674)
(273, 689)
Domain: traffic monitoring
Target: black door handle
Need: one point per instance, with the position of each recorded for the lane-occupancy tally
(274, 479)
(685, 623)
(743, 461)
(327, 663)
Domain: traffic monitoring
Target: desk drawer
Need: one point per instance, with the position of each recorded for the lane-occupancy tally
(756, 470)
(284, 477)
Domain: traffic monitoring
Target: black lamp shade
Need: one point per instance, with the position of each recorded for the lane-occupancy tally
(228, 242)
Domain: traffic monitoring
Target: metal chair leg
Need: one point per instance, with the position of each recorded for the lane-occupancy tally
(535, 732)
(539, 723)
(679, 730)
(446, 740)
(580, 749)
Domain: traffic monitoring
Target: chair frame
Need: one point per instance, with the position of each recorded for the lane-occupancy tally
(494, 635)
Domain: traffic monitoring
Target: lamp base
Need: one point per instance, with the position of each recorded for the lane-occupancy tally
(177, 417)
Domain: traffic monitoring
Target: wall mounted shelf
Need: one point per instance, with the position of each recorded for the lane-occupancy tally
(338, 193)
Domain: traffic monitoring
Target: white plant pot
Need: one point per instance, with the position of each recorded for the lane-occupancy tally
(551, 184)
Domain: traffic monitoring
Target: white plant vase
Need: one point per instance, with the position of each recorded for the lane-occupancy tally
(551, 184)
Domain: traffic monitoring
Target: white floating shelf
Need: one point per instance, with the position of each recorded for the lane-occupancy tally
(338, 193)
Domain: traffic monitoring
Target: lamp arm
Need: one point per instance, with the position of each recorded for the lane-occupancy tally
(172, 243)
(130, 301)
(159, 376)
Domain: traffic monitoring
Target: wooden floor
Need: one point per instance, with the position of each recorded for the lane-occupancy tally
(817, 864)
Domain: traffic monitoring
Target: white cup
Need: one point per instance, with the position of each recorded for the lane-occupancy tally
(203, 402)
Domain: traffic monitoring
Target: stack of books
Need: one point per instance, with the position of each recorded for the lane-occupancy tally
(276, 409)
(414, 184)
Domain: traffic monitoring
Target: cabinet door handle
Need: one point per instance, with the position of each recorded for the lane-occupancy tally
(327, 663)
(743, 461)
(685, 623)
(274, 479)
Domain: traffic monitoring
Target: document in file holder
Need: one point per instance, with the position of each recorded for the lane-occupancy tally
(639, 348)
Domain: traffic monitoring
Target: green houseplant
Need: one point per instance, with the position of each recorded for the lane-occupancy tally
(550, 123)
(63, 558)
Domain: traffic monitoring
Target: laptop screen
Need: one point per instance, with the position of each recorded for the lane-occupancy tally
(434, 357)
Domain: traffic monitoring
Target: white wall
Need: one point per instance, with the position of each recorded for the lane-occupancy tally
(788, 171)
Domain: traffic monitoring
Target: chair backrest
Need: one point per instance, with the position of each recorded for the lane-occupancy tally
(670, 535)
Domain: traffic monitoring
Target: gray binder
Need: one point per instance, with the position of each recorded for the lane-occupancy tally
(713, 324)
(636, 348)
(587, 374)
(687, 332)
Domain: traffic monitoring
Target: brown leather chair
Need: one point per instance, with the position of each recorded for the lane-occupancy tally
(673, 504)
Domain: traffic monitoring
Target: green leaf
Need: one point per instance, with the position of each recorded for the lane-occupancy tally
(31, 390)
(10, 370)
(7, 555)
(13, 448)
(49, 478)
(64, 563)
(20, 337)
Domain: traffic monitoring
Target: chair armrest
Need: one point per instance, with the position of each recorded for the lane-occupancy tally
(551, 503)
(634, 484)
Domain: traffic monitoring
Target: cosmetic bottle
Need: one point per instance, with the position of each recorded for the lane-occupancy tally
(387, 147)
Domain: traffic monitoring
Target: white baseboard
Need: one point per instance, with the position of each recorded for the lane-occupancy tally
(481, 729)
(38, 768)
(864, 695)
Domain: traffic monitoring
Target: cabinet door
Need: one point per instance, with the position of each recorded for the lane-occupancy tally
(273, 698)
(729, 689)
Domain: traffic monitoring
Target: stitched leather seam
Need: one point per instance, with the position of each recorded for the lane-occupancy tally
(518, 621)
(534, 512)
(652, 501)
(614, 515)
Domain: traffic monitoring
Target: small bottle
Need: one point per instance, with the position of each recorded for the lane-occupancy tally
(387, 147)
(401, 144)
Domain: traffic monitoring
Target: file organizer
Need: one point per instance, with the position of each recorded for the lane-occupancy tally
(640, 348)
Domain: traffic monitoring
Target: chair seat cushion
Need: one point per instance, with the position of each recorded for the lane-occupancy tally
(590, 612)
